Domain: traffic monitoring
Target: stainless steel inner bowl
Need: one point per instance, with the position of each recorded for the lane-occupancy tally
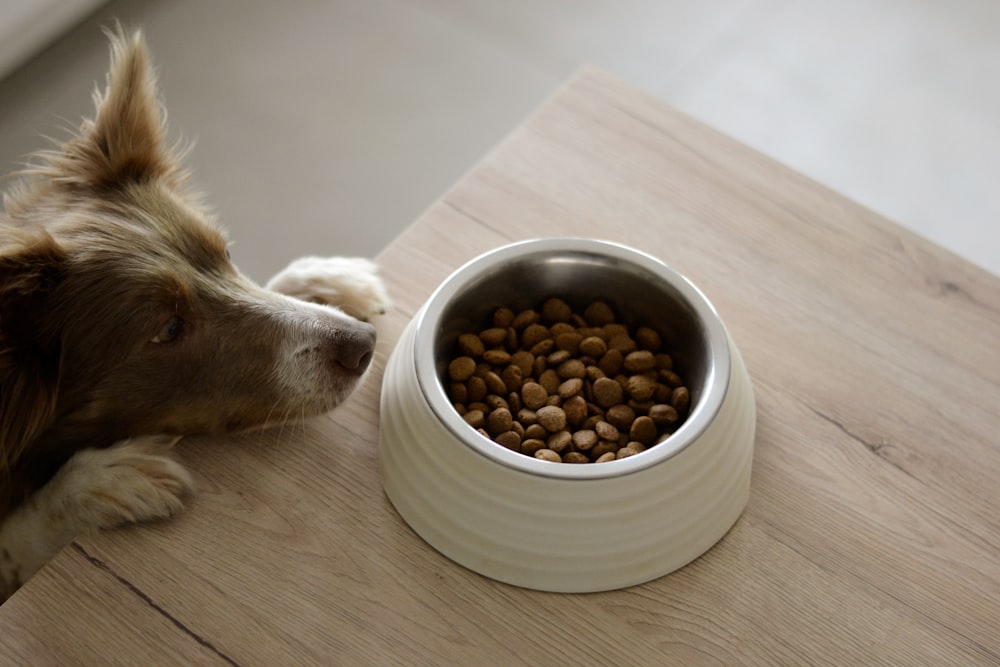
(641, 290)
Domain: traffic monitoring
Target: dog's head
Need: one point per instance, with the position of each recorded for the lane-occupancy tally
(120, 310)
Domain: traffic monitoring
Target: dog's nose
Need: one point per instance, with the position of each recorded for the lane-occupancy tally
(354, 346)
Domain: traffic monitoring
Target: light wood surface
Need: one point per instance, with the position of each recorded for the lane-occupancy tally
(872, 535)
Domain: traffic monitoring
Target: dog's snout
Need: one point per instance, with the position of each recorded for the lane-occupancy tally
(354, 347)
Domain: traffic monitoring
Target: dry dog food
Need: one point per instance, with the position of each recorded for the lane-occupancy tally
(567, 387)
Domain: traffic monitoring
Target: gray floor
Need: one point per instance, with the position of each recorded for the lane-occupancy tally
(326, 127)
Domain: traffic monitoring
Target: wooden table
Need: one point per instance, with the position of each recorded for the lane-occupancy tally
(872, 535)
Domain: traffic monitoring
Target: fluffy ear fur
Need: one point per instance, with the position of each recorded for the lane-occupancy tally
(31, 266)
(125, 142)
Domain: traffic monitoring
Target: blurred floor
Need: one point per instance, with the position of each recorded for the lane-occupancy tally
(326, 127)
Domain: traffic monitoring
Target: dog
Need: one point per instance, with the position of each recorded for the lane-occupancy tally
(125, 325)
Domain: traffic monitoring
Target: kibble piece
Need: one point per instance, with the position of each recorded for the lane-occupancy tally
(531, 445)
(611, 362)
(548, 455)
(524, 318)
(680, 399)
(598, 314)
(572, 368)
(592, 346)
(643, 430)
(511, 377)
(535, 432)
(607, 392)
(503, 317)
(605, 457)
(558, 357)
(639, 361)
(575, 408)
(606, 430)
(476, 387)
(494, 384)
(569, 341)
(556, 310)
(534, 334)
(475, 418)
(603, 447)
(584, 440)
(559, 441)
(542, 347)
(550, 380)
(461, 368)
(497, 357)
(493, 336)
(647, 339)
(575, 457)
(458, 392)
(552, 418)
(621, 416)
(509, 439)
(640, 387)
(524, 360)
(663, 415)
(499, 421)
(493, 402)
(622, 342)
(570, 388)
(534, 395)
(471, 345)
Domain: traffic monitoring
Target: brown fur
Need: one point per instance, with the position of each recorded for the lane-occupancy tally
(122, 315)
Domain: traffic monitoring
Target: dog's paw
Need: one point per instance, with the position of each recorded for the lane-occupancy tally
(349, 283)
(134, 480)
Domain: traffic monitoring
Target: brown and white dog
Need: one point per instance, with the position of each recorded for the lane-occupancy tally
(124, 325)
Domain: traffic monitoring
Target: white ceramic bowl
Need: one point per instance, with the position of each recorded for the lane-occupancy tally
(559, 526)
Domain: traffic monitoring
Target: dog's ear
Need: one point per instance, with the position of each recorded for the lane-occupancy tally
(31, 268)
(126, 140)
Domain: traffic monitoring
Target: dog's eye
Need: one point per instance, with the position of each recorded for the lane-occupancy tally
(170, 331)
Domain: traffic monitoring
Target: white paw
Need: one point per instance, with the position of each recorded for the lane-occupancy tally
(131, 481)
(349, 283)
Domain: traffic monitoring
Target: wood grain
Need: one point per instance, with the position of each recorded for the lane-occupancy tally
(873, 530)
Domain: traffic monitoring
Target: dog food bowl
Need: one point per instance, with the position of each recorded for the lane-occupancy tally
(561, 526)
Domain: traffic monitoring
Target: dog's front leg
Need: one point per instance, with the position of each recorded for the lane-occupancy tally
(134, 480)
(349, 283)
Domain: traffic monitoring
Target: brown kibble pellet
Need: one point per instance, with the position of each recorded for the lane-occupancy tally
(475, 418)
(462, 368)
(496, 357)
(570, 388)
(493, 336)
(680, 399)
(503, 317)
(559, 441)
(471, 345)
(572, 368)
(592, 346)
(509, 439)
(611, 362)
(606, 430)
(494, 383)
(575, 409)
(640, 387)
(550, 380)
(584, 439)
(643, 430)
(548, 455)
(534, 395)
(524, 318)
(556, 310)
(639, 361)
(566, 386)
(621, 416)
(663, 415)
(499, 421)
(598, 314)
(607, 392)
(532, 445)
(552, 418)
(647, 339)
